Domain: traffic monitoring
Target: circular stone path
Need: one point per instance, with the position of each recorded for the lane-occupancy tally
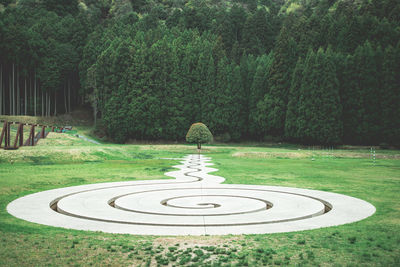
(195, 203)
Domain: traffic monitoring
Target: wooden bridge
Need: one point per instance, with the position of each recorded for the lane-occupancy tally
(19, 137)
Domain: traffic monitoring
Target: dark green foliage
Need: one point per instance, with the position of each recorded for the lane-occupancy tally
(366, 60)
(318, 107)
(259, 88)
(390, 96)
(292, 114)
(237, 105)
(351, 102)
(199, 134)
(248, 69)
(279, 82)
(61, 7)
(361, 96)
(257, 33)
(220, 122)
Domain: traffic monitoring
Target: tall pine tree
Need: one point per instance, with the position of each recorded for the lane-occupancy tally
(279, 82)
(291, 127)
(319, 119)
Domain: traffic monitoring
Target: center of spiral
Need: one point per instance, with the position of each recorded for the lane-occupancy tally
(214, 205)
(191, 202)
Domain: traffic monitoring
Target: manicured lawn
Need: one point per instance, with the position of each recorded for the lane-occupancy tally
(64, 160)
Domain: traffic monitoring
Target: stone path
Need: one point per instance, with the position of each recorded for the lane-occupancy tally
(195, 203)
(87, 139)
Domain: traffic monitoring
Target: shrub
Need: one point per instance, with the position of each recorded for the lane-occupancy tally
(199, 134)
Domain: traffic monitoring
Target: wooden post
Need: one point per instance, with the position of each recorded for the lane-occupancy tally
(18, 135)
(42, 135)
(21, 134)
(8, 135)
(3, 132)
(33, 135)
(31, 139)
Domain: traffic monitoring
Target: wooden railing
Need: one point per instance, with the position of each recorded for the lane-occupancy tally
(19, 137)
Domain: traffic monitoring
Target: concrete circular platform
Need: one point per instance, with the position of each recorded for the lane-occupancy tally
(195, 203)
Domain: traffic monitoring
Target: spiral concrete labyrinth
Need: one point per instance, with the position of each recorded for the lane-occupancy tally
(195, 203)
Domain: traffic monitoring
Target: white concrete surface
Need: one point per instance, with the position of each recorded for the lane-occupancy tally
(195, 203)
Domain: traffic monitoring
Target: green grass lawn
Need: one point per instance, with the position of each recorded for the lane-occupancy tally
(64, 160)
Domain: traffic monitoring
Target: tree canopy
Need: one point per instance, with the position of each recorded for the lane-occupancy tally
(313, 72)
(199, 134)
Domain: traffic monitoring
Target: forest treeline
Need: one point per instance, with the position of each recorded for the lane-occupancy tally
(307, 71)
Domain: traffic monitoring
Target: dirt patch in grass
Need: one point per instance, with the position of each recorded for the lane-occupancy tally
(199, 251)
(191, 242)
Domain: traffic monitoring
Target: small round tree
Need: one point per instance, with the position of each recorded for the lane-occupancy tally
(199, 134)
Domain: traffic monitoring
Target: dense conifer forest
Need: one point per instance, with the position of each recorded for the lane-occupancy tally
(307, 71)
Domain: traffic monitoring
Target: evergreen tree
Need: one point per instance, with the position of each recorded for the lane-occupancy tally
(259, 87)
(291, 124)
(257, 33)
(319, 103)
(150, 76)
(248, 66)
(352, 103)
(137, 82)
(390, 95)
(367, 78)
(174, 122)
(221, 122)
(279, 82)
(237, 105)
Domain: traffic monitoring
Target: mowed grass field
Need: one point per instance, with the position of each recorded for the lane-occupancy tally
(64, 160)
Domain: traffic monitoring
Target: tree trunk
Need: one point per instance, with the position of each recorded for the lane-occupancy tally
(65, 100)
(18, 95)
(95, 103)
(55, 103)
(42, 104)
(198, 145)
(13, 89)
(69, 96)
(30, 91)
(95, 115)
(35, 97)
(49, 108)
(2, 109)
(10, 93)
(46, 110)
(26, 99)
(1, 90)
(4, 99)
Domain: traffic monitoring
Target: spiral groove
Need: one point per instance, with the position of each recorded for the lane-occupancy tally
(195, 203)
